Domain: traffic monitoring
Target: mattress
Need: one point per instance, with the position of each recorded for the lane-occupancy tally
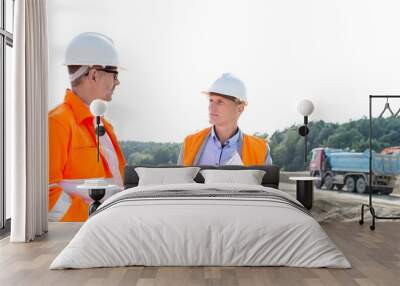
(201, 225)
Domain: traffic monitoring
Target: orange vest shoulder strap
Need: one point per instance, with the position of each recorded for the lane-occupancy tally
(192, 144)
(254, 150)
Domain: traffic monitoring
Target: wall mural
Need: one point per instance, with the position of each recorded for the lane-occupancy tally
(173, 67)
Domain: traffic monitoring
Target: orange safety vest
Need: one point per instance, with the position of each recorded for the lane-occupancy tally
(73, 155)
(254, 149)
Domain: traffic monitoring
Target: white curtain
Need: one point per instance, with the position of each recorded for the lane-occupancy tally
(26, 121)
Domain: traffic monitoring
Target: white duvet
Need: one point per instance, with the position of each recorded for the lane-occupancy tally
(183, 231)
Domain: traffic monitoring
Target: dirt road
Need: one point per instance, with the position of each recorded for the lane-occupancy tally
(341, 205)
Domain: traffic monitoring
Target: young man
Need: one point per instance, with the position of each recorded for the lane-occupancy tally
(224, 143)
(92, 63)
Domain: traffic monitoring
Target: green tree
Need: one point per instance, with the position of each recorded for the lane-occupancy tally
(287, 146)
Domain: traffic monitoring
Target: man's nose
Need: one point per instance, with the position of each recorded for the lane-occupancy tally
(211, 106)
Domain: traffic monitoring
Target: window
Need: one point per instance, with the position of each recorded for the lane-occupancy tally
(6, 44)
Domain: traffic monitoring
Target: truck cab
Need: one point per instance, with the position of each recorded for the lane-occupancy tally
(319, 164)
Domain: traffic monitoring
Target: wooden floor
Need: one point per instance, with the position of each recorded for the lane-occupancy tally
(375, 256)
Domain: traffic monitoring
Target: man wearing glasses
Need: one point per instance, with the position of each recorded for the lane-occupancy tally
(92, 63)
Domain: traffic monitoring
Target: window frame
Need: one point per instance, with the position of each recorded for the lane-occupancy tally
(6, 39)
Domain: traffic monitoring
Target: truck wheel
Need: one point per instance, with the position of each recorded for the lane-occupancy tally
(339, 187)
(387, 191)
(361, 186)
(350, 184)
(328, 182)
(318, 184)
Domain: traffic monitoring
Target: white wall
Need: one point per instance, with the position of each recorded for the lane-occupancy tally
(332, 52)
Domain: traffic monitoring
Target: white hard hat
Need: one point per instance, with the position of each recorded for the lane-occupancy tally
(88, 49)
(229, 85)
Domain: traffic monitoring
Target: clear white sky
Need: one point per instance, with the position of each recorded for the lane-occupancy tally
(332, 52)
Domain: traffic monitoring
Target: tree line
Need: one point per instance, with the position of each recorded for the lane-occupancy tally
(287, 146)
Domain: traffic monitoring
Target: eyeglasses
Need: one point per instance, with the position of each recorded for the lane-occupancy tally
(115, 76)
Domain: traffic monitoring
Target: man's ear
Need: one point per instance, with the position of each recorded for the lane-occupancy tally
(92, 74)
(241, 107)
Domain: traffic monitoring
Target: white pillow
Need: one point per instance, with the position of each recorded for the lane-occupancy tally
(248, 177)
(165, 176)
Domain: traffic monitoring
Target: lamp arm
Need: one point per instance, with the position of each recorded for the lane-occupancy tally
(305, 138)
(98, 139)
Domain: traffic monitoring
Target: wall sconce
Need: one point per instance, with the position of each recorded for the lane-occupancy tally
(305, 108)
(98, 107)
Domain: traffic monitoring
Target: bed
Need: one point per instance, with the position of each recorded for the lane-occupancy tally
(201, 224)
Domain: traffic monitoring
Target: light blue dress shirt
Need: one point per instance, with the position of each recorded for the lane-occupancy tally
(218, 154)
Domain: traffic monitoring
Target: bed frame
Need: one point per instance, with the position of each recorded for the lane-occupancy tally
(270, 179)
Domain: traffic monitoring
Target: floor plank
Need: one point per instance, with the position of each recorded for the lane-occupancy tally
(374, 255)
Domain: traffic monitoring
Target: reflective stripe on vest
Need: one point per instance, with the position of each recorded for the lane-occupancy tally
(60, 208)
(72, 204)
(108, 151)
(254, 150)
